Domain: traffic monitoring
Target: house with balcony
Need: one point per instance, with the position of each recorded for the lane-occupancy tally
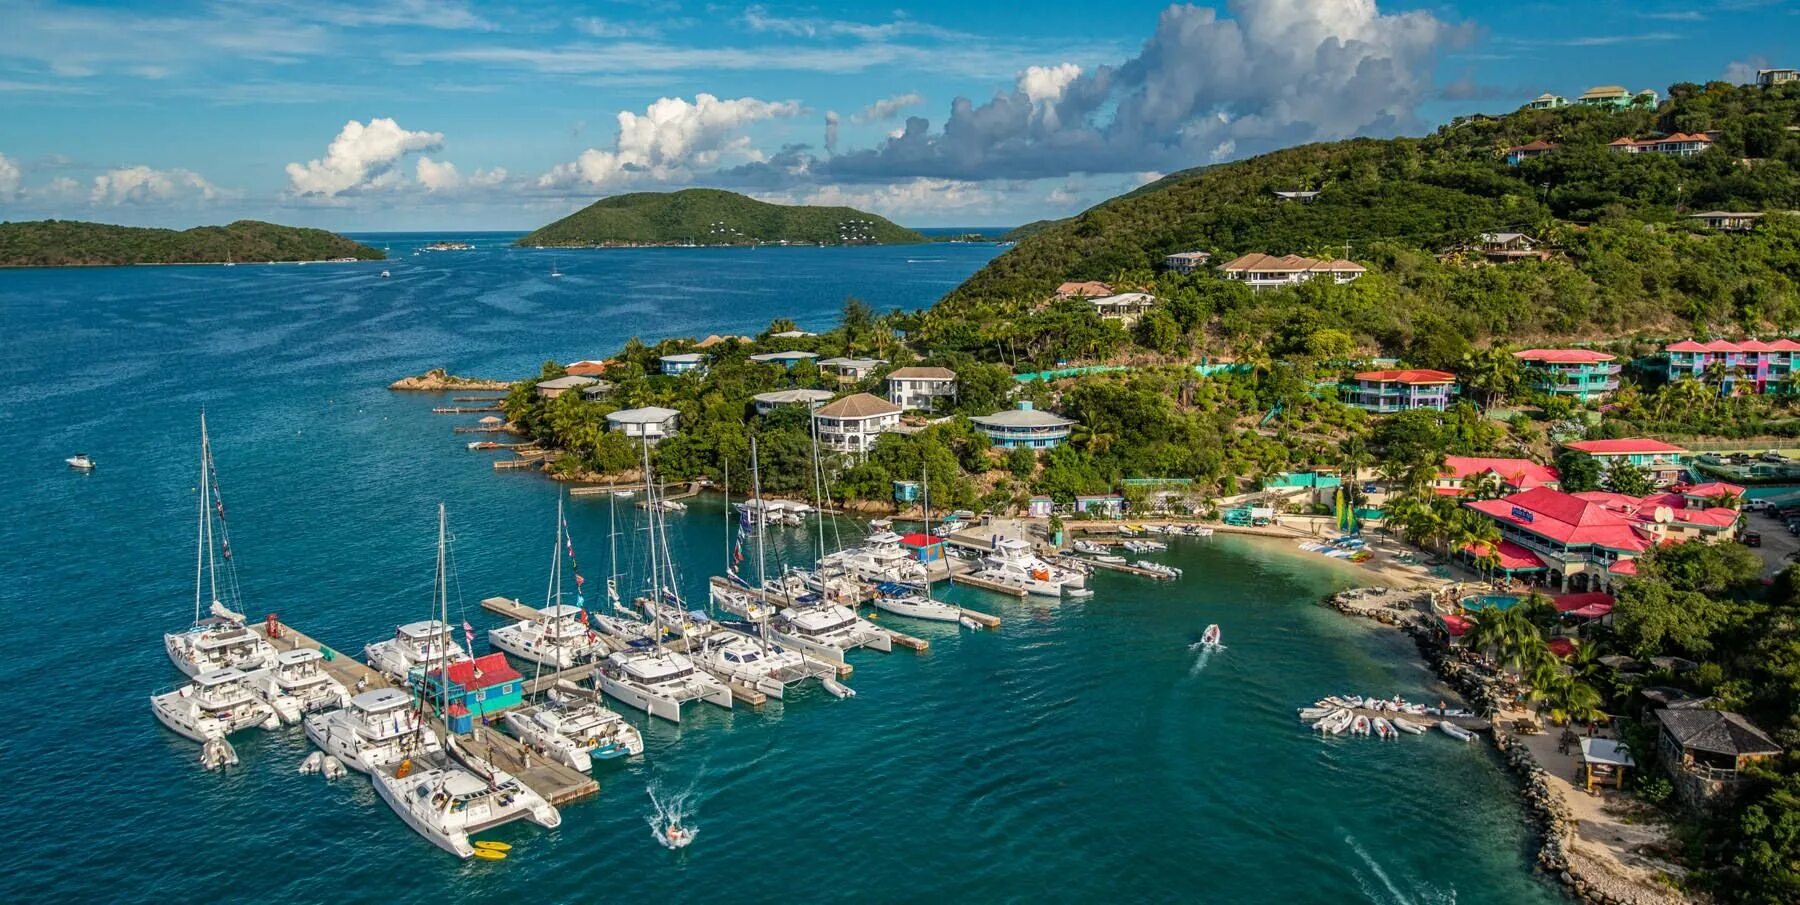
(1025, 427)
(1087, 289)
(1751, 364)
(919, 389)
(1508, 248)
(1547, 101)
(1677, 145)
(1518, 154)
(1616, 96)
(1769, 78)
(1125, 308)
(1513, 475)
(850, 370)
(1384, 392)
(1264, 271)
(1583, 374)
(1706, 752)
(1298, 197)
(1560, 540)
(652, 423)
(683, 363)
(786, 359)
(1187, 261)
(812, 399)
(1728, 221)
(556, 386)
(851, 425)
(1664, 461)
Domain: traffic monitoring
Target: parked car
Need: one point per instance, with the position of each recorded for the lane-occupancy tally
(1753, 538)
(1757, 505)
(1370, 488)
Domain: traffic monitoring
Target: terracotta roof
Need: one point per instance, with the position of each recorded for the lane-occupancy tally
(1621, 447)
(1090, 288)
(715, 339)
(587, 368)
(922, 374)
(1257, 262)
(1522, 474)
(858, 405)
(1716, 732)
(1538, 145)
(1563, 356)
(1408, 376)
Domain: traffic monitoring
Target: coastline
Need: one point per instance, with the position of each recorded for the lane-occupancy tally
(438, 380)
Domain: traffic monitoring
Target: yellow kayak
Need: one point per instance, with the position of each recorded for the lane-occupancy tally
(493, 846)
(488, 854)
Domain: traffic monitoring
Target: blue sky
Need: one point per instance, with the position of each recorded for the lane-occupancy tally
(406, 114)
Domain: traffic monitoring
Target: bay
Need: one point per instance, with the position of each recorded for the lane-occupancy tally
(1080, 753)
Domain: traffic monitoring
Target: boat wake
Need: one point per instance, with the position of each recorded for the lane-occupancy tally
(1388, 892)
(668, 821)
(1206, 652)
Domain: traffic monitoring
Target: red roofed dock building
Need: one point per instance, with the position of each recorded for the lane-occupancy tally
(1766, 366)
(1581, 373)
(1384, 392)
(1664, 461)
(478, 689)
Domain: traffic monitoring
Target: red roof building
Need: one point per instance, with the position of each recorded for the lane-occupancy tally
(1663, 461)
(1514, 474)
(1388, 391)
(1754, 363)
(588, 368)
(483, 672)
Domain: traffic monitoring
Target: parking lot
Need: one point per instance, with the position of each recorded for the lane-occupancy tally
(1778, 544)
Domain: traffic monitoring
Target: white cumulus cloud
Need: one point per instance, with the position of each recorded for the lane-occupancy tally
(362, 156)
(670, 138)
(442, 176)
(9, 177)
(1047, 83)
(888, 107)
(143, 185)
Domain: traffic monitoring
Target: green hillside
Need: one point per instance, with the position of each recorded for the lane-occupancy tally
(715, 217)
(62, 243)
(1627, 257)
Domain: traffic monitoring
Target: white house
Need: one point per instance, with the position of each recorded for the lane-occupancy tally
(1263, 271)
(651, 422)
(1302, 197)
(812, 399)
(1126, 307)
(850, 370)
(675, 365)
(920, 388)
(851, 424)
(1187, 261)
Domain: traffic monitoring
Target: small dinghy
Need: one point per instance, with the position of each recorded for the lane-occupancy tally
(217, 754)
(332, 768)
(1310, 714)
(1407, 726)
(312, 764)
(80, 462)
(1210, 637)
(676, 837)
(1455, 731)
(1335, 724)
(1359, 726)
(1384, 729)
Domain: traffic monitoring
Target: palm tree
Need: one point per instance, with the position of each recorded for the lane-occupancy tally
(1482, 486)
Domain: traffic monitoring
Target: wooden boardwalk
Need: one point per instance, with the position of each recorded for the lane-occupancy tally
(1127, 568)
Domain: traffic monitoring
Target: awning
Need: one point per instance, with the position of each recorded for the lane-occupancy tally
(1589, 605)
(1562, 647)
(1458, 626)
(1624, 567)
(1513, 558)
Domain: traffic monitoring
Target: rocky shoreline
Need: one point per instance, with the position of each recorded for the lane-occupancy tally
(438, 380)
(1410, 611)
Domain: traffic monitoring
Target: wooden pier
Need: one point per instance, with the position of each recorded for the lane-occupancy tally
(988, 584)
(1127, 568)
(477, 398)
(558, 784)
(464, 409)
(481, 429)
(520, 462)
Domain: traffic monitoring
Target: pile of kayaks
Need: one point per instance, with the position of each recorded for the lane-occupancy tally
(1341, 715)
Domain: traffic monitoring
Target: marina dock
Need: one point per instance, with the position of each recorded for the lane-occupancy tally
(1127, 568)
(464, 409)
(520, 462)
(987, 584)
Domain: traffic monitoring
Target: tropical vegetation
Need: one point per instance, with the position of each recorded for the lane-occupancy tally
(66, 243)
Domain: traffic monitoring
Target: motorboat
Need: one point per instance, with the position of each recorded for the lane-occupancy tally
(217, 754)
(1407, 726)
(751, 661)
(1089, 547)
(1013, 562)
(1384, 729)
(1360, 725)
(1335, 723)
(385, 274)
(827, 630)
(1210, 637)
(659, 681)
(1455, 731)
(447, 795)
(215, 704)
(220, 641)
(1157, 568)
(414, 646)
(574, 732)
(379, 727)
(80, 462)
(558, 638)
(879, 559)
(298, 684)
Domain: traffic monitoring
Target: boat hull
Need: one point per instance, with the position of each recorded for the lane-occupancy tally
(637, 697)
(930, 611)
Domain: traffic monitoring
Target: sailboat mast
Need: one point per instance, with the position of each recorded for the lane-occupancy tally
(655, 573)
(925, 492)
(200, 525)
(612, 552)
(762, 525)
(212, 566)
(443, 595)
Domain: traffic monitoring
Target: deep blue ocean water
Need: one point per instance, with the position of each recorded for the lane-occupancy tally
(1078, 754)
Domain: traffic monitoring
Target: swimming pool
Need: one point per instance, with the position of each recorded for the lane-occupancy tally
(1477, 603)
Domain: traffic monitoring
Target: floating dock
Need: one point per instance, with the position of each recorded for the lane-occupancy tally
(1125, 567)
(988, 584)
(520, 462)
(464, 409)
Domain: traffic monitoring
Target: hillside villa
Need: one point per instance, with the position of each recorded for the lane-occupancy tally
(1677, 145)
(1089, 289)
(1264, 271)
(1728, 221)
(850, 370)
(1024, 426)
(1616, 96)
(786, 359)
(812, 399)
(1519, 153)
(1769, 78)
(1547, 101)
(919, 389)
(1400, 390)
(1587, 541)
(1762, 366)
(1507, 248)
(650, 423)
(682, 363)
(556, 386)
(1581, 373)
(852, 424)
(1302, 197)
(1514, 475)
(1664, 461)
(1705, 751)
(1187, 261)
(1126, 307)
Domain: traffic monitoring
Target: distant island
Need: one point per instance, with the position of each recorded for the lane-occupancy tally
(72, 243)
(715, 217)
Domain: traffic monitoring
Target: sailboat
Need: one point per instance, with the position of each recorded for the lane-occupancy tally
(647, 674)
(447, 795)
(559, 637)
(897, 600)
(218, 639)
(553, 271)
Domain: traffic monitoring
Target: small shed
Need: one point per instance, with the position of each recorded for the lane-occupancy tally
(477, 688)
(1109, 505)
(927, 548)
(1040, 507)
(906, 491)
(1604, 762)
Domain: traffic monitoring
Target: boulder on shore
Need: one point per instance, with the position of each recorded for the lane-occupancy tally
(438, 379)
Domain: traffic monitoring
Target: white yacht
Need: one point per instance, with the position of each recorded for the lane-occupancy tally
(446, 799)
(658, 681)
(1013, 562)
(558, 638)
(738, 601)
(827, 630)
(217, 639)
(298, 684)
(879, 559)
(918, 606)
(218, 642)
(768, 668)
(378, 727)
(414, 646)
(575, 732)
(214, 705)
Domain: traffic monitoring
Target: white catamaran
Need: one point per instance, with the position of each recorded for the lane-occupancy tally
(1012, 562)
(219, 640)
(298, 685)
(560, 636)
(414, 646)
(215, 704)
(379, 727)
(575, 731)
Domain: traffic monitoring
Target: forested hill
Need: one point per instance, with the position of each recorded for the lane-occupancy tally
(1626, 256)
(715, 217)
(62, 243)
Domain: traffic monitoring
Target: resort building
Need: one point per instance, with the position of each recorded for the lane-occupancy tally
(1187, 261)
(1728, 221)
(786, 359)
(677, 365)
(588, 368)
(550, 389)
(1302, 197)
(850, 370)
(1616, 96)
(477, 689)
(1264, 271)
(1400, 390)
(1518, 154)
(1025, 426)
(1126, 307)
(1090, 289)
(1760, 366)
(1664, 461)
(1769, 78)
(852, 424)
(1513, 475)
(650, 423)
(1706, 751)
(1581, 373)
(1676, 145)
(919, 389)
(1547, 101)
(812, 399)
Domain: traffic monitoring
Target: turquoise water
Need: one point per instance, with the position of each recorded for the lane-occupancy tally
(1080, 753)
(1490, 601)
